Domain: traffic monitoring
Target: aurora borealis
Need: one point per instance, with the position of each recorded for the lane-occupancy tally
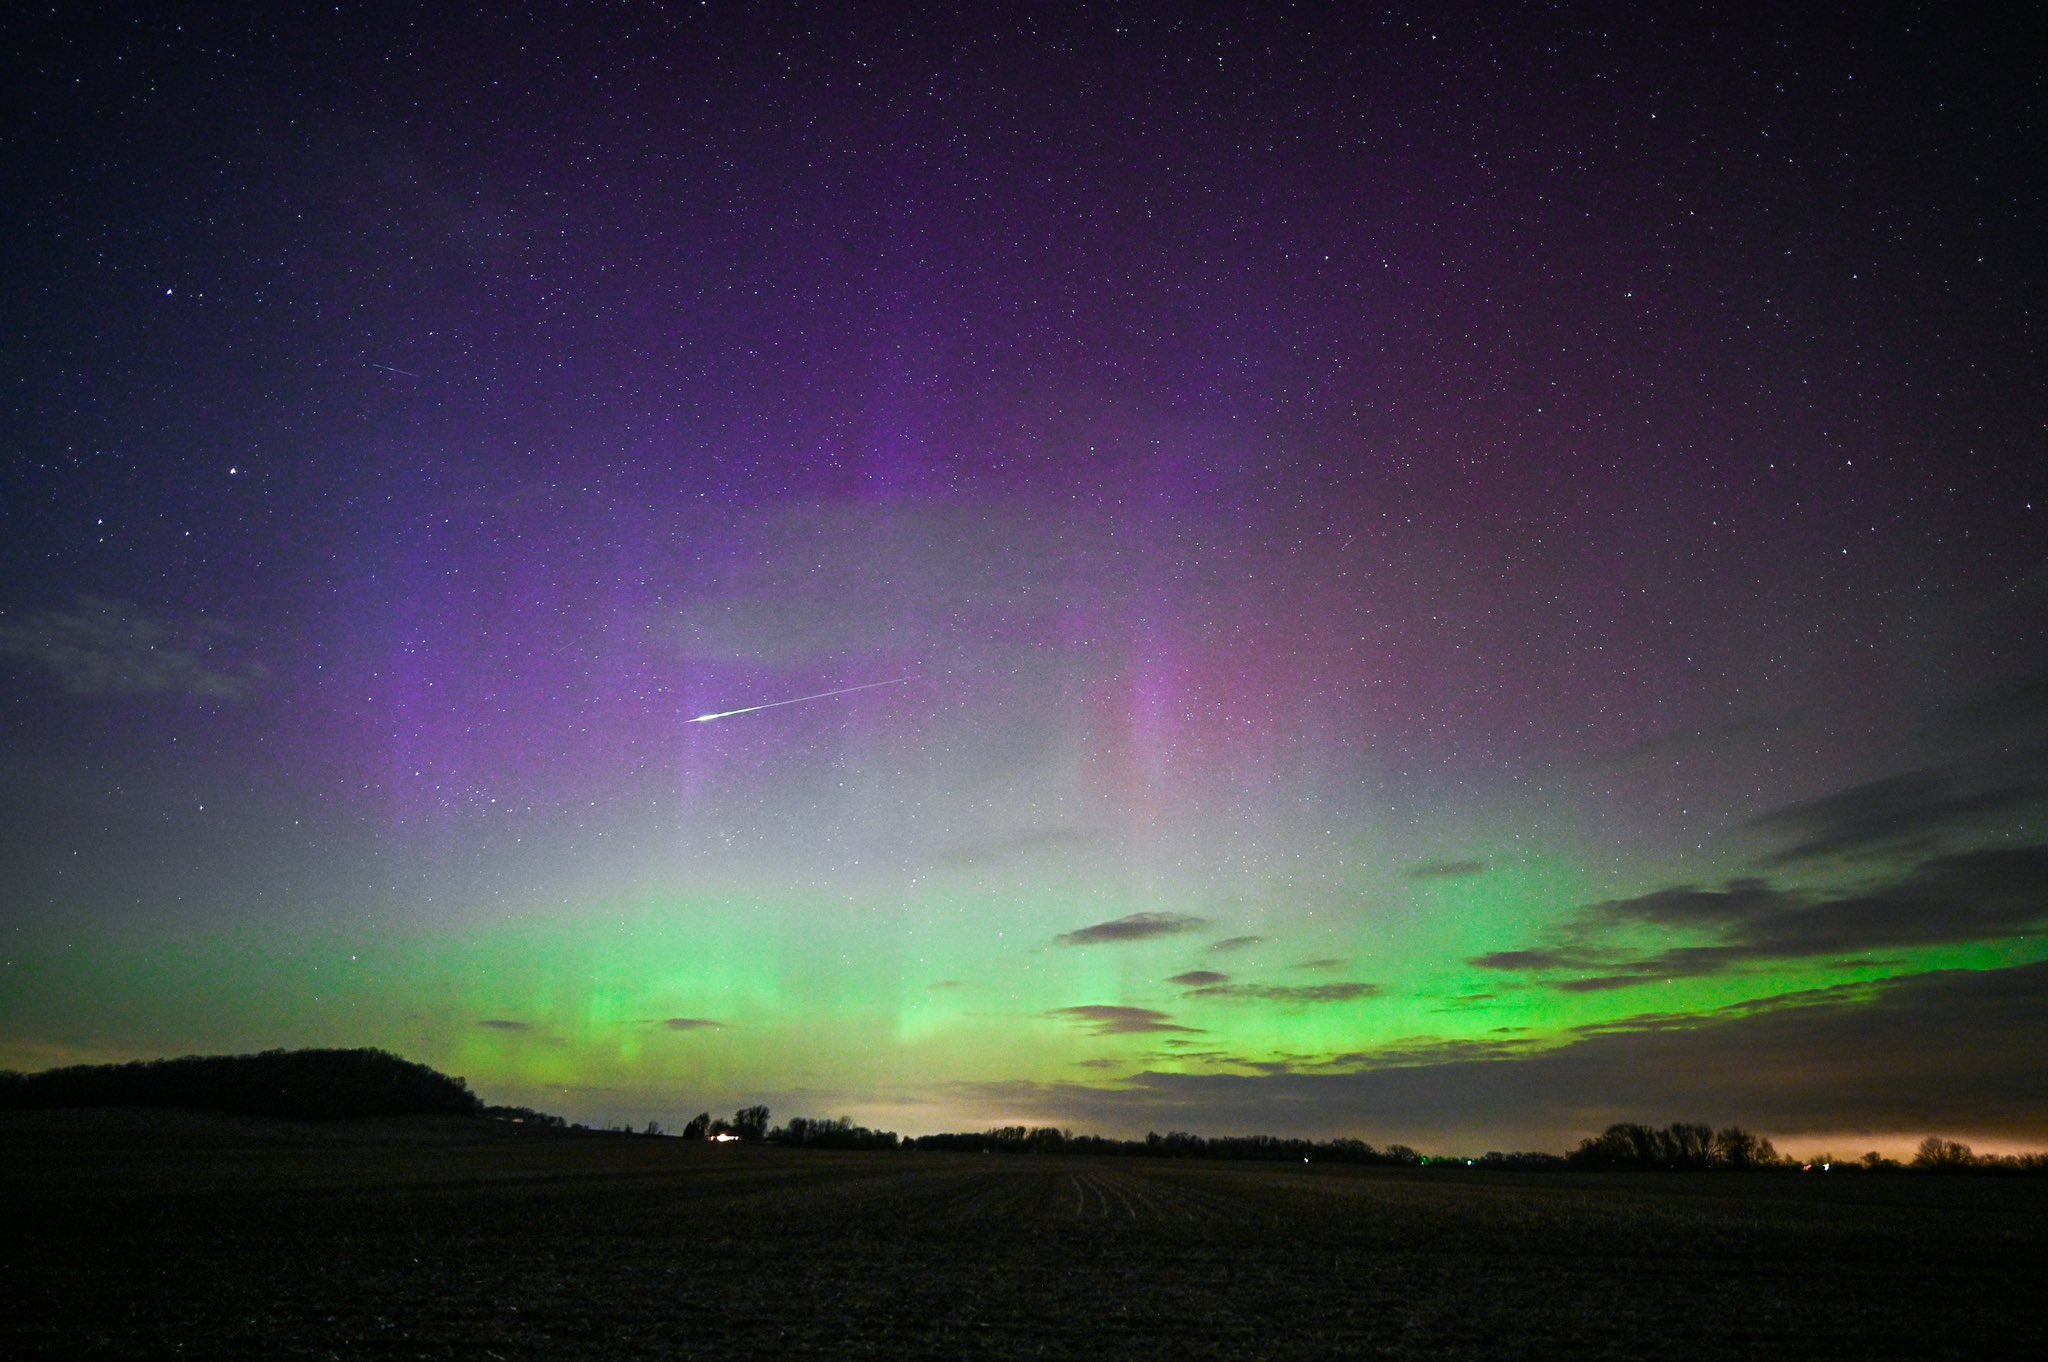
(1439, 577)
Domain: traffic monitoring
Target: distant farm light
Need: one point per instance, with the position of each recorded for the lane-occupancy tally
(725, 1138)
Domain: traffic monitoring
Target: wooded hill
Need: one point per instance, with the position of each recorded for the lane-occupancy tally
(317, 1085)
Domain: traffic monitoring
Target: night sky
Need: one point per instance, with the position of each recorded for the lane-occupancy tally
(1442, 577)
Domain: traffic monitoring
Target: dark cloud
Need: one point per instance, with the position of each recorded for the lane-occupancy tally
(1954, 1052)
(1289, 993)
(1196, 978)
(1327, 962)
(1014, 845)
(1531, 960)
(1234, 943)
(1987, 895)
(1970, 896)
(1446, 870)
(1606, 983)
(501, 1024)
(1211, 1057)
(1916, 812)
(1744, 900)
(1120, 1021)
(690, 1024)
(2002, 881)
(112, 647)
(1098, 1064)
(1136, 927)
(1423, 1050)
(2018, 704)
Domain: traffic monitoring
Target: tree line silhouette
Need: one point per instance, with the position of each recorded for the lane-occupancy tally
(335, 1084)
(1681, 1145)
(749, 1125)
(1178, 1144)
(839, 1133)
(1687, 1146)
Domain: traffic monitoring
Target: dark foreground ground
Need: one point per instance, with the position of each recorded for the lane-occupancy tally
(124, 1236)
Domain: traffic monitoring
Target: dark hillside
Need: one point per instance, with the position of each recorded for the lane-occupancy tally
(316, 1085)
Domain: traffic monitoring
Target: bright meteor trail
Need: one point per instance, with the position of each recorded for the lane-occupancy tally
(821, 695)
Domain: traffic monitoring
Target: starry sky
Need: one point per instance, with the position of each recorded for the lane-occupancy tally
(1446, 575)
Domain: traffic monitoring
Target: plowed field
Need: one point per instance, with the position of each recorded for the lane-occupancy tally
(416, 1247)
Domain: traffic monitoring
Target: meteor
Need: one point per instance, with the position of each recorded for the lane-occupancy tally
(821, 695)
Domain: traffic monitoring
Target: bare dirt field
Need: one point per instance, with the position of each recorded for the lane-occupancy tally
(148, 1237)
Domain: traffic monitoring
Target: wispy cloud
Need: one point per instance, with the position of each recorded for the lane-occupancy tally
(111, 647)
(1289, 993)
(1135, 927)
(1326, 962)
(1915, 812)
(1235, 943)
(1196, 978)
(1446, 870)
(690, 1024)
(1531, 960)
(1011, 845)
(1984, 895)
(1104, 1020)
(1953, 1051)
(503, 1024)
(2015, 704)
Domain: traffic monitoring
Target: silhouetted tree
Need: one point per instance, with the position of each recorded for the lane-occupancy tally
(803, 1132)
(699, 1126)
(1943, 1156)
(1688, 1144)
(751, 1124)
(1520, 1159)
(1177, 1144)
(1680, 1145)
(1736, 1148)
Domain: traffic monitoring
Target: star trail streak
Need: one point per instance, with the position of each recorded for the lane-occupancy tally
(777, 704)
